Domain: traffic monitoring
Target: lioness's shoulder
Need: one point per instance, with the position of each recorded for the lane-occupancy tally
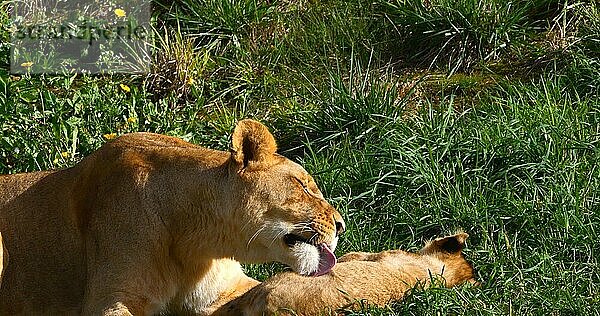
(152, 151)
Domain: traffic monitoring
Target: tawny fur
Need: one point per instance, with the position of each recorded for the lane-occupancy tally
(367, 278)
(150, 223)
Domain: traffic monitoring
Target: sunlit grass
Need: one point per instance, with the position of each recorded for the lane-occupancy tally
(506, 147)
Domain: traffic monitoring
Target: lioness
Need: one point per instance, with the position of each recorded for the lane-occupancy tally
(150, 223)
(372, 278)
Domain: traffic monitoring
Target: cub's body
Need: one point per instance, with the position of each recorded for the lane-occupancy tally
(359, 278)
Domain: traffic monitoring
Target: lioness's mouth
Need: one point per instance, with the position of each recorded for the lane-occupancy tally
(326, 260)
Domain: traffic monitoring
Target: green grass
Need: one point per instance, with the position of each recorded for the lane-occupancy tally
(416, 119)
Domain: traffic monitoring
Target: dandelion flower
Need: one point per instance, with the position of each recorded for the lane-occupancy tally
(65, 154)
(190, 81)
(125, 87)
(132, 120)
(120, 13)
(27, 64)
(110, 136)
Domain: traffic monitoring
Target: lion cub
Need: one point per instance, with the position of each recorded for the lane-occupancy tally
(374, 278)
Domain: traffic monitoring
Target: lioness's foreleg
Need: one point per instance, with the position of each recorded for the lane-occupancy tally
(239, 288)
(111, 291)
(114, 307)
(117, 309)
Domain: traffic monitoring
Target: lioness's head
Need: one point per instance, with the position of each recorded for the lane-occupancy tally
(285, 213)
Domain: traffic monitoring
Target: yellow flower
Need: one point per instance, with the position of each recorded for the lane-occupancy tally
(120, 13)
(27, 64)
(110, 136)
(132, 120)
(125, 87)
(191, 81)
(64, 154)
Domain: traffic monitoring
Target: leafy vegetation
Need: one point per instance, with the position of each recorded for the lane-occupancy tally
(417, 118)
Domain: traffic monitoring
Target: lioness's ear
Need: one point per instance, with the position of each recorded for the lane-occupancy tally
(449, 244)
(251, 142)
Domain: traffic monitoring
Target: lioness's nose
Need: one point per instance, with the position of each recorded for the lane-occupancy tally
(340, 226)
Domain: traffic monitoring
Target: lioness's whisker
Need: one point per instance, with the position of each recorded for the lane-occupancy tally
(255, 235)
(312, 238)
(277, 237)
(304, 227)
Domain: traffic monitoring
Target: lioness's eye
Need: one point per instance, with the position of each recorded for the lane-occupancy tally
(304, 187)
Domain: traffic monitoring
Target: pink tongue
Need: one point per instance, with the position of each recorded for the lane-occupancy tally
(326, 261)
